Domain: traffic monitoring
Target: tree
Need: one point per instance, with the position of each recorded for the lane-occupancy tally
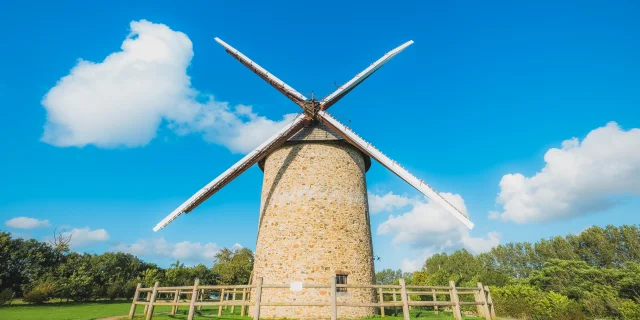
(150, 276)
(117, 273)
(79, 279)
(630, 281)
(233, 266)
(420, 278)
(23, 262)
(388, 276)
(461, 267)
(178, 275)
(488, 274)
(61, 241)
(595, 246)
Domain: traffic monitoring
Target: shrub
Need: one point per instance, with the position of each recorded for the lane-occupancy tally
(6, 295)
(517, 301)
(629, 310)
(563, 308)
(40, 293)
(120, 289)
(114, 290)
(601, 301)
(526, 302)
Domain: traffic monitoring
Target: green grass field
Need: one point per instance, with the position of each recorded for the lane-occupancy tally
(103, 309)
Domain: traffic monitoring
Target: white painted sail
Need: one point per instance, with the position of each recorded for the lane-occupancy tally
(345, 88)
(370, 150)
(235, 170)
(280, 85)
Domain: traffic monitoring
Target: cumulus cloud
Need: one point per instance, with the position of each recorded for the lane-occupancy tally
(26, 223)
(430, 228)
(578, 179)
(409, 265)
(85, 236)
(123, 100)
(387, 202)
(159, 248)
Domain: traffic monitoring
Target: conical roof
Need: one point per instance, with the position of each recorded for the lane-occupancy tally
(315, 131)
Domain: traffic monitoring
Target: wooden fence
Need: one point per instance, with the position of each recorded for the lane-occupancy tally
(239, 295)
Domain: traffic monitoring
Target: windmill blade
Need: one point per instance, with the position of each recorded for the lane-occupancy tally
(347, 87)
(370, 150)
(280, 85)
(254, 156)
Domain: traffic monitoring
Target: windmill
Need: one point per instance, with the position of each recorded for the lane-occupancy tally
(314, 216)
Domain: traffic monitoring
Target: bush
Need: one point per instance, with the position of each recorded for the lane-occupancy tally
(629, 310)
(40, 293)
(120, 289)
(6, 295)
(526, 302)
(563, 308)
(517, 301)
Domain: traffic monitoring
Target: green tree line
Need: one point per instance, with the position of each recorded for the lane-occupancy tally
(595, 274)
(38, 271)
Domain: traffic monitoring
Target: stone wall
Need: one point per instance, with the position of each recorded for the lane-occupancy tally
(314, 223)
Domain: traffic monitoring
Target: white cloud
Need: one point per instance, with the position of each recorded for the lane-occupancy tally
(387, 202)
(159, 248)
(26, 223)
(123, 100)
(85, 236)
(237, 246)
(578, 179)
(493, 215)
(479, 245)
(411, 265)
(429, 227)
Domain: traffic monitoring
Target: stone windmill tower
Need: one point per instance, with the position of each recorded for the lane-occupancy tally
(314, 216)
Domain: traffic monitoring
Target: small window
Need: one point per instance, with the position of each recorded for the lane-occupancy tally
(341, 279)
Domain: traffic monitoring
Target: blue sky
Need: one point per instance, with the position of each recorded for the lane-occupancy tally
(486, 91)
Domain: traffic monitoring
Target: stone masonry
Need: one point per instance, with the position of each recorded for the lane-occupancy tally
(314, 223)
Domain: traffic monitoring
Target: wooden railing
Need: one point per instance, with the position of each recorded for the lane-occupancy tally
(229, 294)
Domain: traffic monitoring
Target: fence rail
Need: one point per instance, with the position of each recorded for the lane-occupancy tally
(239, 296)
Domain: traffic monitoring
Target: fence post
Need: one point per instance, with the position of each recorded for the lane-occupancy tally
(256, 312)
(435, 299)
(405, 300)
(381, 301)
(200, 298)
(174, 308)
(154, 293)
(178, 300)
(194, 297)
(455, 300)
(132, 311)
(479, 307)
(221, 301)
(395, 309)
(146, 306)
(244, 299)
(334, 299)
(490, 303)
(233, 299)
(483, 299)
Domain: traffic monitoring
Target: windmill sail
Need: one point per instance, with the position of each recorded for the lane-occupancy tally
(347, 87)
(370, 150)
(280, 85)
(235, 170)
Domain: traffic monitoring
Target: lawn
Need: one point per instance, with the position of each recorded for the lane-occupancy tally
(68, 310)
(103, 309)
